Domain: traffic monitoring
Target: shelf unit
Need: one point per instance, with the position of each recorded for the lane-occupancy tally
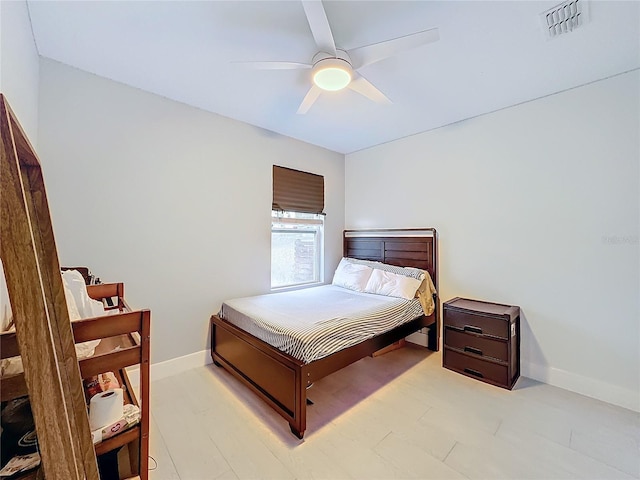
(124, 342)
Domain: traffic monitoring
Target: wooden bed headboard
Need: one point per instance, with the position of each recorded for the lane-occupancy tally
(401, 247)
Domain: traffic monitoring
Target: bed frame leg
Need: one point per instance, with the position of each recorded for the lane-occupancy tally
(215, 362)
(296, 432)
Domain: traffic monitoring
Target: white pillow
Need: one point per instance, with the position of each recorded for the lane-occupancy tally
(352, 276)
(392, 285)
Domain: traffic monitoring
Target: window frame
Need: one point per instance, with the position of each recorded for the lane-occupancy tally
(279, 218)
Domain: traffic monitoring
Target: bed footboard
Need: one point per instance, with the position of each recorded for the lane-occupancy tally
(273, 375)
(281, 380)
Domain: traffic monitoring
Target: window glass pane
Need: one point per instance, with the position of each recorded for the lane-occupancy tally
(296, 245)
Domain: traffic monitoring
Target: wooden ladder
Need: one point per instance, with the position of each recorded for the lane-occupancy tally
(36, 293)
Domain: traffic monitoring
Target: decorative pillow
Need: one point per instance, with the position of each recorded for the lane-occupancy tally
(352, 276)
(392, 284)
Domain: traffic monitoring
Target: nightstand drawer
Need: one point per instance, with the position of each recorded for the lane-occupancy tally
(476, 368)
(478, 345)
(477, 323)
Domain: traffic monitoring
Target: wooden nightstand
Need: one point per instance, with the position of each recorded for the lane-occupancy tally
(482, 340)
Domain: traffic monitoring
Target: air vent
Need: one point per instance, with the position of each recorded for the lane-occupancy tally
(564, 18)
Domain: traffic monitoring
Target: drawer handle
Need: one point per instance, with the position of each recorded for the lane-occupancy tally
(477, 351)
(472, 329)
(474, 372)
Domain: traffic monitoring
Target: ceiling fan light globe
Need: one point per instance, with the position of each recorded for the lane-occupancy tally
(332, 74)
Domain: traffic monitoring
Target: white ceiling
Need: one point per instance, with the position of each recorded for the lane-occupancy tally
(490, 55)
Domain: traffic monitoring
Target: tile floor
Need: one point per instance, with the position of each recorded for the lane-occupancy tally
(400, 415)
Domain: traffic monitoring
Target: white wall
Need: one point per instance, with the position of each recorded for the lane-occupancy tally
(19, 64)
(536, 205)
(172, 200)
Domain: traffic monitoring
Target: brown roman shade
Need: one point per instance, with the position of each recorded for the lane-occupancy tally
(296, 191)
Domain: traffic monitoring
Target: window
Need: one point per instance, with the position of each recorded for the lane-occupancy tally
(297, 225)
(296, 248)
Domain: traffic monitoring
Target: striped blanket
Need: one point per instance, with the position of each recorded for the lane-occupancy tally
(315, 322)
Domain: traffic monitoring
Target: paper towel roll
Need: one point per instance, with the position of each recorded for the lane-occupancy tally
(105, 408)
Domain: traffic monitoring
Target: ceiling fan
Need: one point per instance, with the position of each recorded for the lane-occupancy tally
(333, 68)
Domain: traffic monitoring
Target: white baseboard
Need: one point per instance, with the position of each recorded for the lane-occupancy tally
(172, 367)
(614, 394)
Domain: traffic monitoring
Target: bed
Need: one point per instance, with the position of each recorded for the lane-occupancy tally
(280, 378)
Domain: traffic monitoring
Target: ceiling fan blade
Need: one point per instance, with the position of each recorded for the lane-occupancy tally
(364, 87)
(369, 54)
(274, 65)
(309, 99)
(319, 24)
